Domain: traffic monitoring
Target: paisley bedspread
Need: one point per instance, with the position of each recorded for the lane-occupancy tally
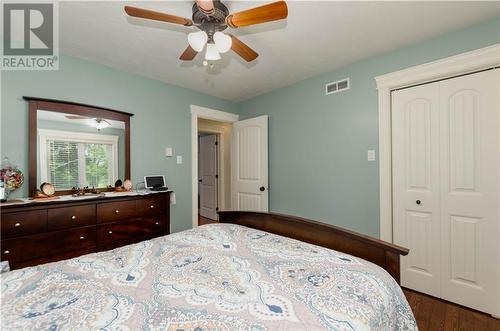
(215, 277)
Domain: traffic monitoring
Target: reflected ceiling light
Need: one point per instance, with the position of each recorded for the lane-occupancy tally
(100, 124)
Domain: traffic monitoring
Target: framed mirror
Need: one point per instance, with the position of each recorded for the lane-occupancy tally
(74, 146)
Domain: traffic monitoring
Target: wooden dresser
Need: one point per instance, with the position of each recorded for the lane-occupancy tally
(42, 232)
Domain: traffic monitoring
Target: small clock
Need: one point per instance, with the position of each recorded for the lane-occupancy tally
(47, 189)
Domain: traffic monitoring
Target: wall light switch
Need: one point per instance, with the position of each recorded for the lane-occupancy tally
(179, 159)
(371, 155)
(169, 152)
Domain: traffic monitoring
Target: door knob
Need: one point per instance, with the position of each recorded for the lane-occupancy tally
(418, 202)
(262, 188)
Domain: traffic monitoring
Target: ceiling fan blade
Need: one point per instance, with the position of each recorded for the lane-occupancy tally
(267, 13)
(76, 117)
(242, 49)
(206, 7)
(157, 16)
(188, 54)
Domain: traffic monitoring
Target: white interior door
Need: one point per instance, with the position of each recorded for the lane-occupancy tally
(446, 151)
(249, 165)
(208, 176)
(470, 220)
(416, 186)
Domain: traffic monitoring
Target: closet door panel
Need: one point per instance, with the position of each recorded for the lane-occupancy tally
(416, 186)
(469, 143)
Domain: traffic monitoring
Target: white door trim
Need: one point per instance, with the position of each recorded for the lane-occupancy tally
(209, 114)
(479, 59)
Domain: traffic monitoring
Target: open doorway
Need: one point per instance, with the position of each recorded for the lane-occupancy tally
(242, 168)
(214, 171)
(206, 121)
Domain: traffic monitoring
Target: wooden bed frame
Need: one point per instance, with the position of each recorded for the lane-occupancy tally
(385, 255)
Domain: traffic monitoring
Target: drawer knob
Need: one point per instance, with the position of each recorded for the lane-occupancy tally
(73, 217)
(17, 225)
(117, 211)
(110, 232)
(157, 223)
(152, 206)
(82, 237)
(6, 252)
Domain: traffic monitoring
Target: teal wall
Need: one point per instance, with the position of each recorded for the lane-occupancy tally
(162, 118)
(318, 143)
(318, 165)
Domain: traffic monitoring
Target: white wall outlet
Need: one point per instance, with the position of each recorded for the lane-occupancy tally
(169, 152)
(179, 159)
(371, 155)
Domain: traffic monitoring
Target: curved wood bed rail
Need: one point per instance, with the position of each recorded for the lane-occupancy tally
(384, 254)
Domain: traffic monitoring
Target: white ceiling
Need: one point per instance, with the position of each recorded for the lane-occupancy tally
(317, 37)
(48, 115)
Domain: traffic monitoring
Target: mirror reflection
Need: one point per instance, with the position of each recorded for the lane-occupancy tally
(76, 151)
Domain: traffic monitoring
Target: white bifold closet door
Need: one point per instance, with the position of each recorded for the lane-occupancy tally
(446, 151)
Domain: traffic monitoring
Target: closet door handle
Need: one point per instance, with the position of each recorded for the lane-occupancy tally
(418, 202)
(262, 188)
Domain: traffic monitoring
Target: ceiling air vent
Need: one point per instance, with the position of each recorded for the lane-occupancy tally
(338, 86)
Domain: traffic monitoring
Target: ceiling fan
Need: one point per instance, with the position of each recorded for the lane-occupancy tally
(96, 122)
(212, 17)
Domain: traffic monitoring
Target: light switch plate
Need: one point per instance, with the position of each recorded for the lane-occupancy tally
(169, 152)
(179, 159)
(371, 155)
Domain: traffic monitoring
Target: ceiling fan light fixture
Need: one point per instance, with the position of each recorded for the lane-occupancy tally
(212, 54)
(197, 40)
(100, 124)
(223, 42)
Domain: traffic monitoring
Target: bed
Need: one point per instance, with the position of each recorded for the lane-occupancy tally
(240, 274)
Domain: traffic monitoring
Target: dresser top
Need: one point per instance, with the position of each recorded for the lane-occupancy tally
(68, 199)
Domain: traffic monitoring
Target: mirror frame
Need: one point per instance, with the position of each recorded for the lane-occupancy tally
(59, 106)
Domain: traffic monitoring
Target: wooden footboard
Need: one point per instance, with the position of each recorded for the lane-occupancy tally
(384, 254)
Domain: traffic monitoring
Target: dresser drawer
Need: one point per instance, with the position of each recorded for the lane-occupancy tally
(36, 246)
(116, 211)
(130, 231)
(23, 223)
(158, 224)
(71, 217)
(74, 239)
(151, 206)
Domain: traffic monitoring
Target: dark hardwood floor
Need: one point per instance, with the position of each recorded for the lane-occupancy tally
(203, 220)
(434, 314)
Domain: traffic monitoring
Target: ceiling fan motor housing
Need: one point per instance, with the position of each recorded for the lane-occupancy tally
(213, 23)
